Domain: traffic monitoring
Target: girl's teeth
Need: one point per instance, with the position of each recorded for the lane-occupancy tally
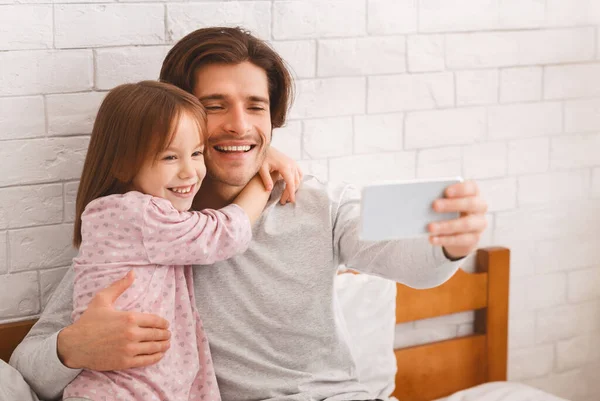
(182, 191)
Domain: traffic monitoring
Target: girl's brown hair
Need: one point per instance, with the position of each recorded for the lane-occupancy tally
(134, 123)
(229, 46)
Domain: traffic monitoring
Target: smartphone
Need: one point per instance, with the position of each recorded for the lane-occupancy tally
(402, 209)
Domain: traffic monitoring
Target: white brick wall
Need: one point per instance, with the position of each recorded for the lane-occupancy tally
(462, 126)
(528, 155)
(439, 162)
(583, 284)
(574, 151)
(72, 113)
(501, 192)
(31, 205)
(329, 97)
(314, 18)
(520, 84)
(503, 91)
(41, 247)
(572, 81)
(476, 87)
(42, 160)
(84, 25)
(425, 53)
(582, 115)
(485, 160)
(410, 92)
(524, 120)
(3, 258)
(34, 72)
(25, 27)
(528, 363)
(117, 65)
(596, 182)
(392, 16)
(19, 295)
(521, 332)
(13, 126)
(288, 139)
(362, 56)
(503, 49)
(254, 15)
(301, 56)
(327, 137)
(559, 186)
(361, 169)
(378, 133)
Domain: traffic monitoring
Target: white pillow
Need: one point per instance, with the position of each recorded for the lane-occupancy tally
(502, 391)
(369, 308)
(13, 385)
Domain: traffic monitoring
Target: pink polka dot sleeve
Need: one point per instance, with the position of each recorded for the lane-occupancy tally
(184, 238)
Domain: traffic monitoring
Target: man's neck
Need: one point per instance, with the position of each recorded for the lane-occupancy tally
(215, 195)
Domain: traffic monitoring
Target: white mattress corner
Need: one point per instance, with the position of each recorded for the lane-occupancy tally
(502, 391)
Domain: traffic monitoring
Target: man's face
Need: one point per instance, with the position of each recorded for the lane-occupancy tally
(236, 98)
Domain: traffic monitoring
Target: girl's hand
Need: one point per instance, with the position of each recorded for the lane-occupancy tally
(287, 168)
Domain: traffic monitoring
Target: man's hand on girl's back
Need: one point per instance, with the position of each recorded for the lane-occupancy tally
(108, 339)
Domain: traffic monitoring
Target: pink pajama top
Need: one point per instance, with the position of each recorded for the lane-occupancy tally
(147, 234)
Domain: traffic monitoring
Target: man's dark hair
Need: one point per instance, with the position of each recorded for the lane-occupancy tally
(223, 45)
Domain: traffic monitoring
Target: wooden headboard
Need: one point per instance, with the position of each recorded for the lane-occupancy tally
(11, 334)
(430, 371)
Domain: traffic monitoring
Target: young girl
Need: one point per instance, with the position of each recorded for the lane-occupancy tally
(143, 167)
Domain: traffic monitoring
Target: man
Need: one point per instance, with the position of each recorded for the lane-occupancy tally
(273, 329)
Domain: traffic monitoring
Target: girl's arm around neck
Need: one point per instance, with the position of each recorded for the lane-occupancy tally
(254, 197)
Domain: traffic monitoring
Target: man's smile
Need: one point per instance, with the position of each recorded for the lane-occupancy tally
(230, 149)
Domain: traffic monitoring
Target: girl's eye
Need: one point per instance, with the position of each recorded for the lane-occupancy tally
(169, 157)
(197, 153)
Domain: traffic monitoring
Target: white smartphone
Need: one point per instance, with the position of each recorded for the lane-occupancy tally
(402, 209)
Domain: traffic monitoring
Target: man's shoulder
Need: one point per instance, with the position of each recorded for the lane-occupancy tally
(318, 190)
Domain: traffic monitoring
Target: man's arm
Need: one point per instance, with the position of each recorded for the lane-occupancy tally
(36, 357)
(414, 262)
(54, 352)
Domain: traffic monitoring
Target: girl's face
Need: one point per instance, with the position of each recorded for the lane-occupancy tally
(178, 171)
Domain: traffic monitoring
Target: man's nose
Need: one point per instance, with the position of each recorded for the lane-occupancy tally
(238, 121)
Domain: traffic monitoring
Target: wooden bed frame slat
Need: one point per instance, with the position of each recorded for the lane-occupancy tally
(495, 322)
(430, 371)
(11, 334)
(428, 364)
(464, 292)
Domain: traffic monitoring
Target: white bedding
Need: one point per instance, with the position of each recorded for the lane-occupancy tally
(368, 305)
(502, 391)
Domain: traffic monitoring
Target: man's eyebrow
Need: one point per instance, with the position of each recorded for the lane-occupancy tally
(215, 96)
(218, 96)
(259, 99)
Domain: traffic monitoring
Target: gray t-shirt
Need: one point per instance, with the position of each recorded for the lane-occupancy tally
(274, 330)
